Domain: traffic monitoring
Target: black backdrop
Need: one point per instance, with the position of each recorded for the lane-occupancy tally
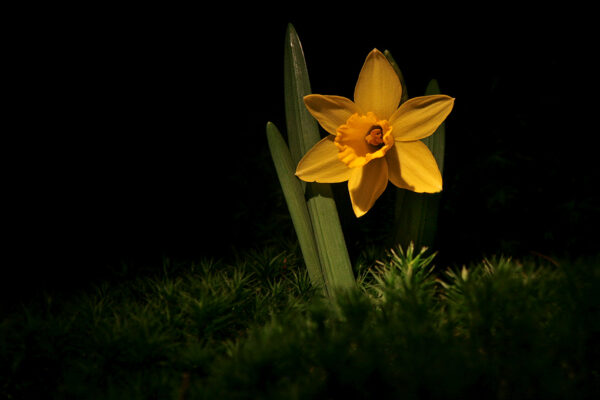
(143, 130)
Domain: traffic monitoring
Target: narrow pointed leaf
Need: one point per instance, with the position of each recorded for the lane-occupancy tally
(388, 55)
(417, 213)
(329, 236)
(437, 141)
(294, 198)
(416, 218)
(303, 133)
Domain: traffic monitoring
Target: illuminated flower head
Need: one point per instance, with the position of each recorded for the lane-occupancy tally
(373, 139)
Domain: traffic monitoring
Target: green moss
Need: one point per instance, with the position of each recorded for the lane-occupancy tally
(255, 329)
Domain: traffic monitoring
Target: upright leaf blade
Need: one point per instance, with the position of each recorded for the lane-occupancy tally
(303, 133)
(437, 141)
(302, 128)
(389, 57)
(294, 198)
(417, 213)
(329, 236)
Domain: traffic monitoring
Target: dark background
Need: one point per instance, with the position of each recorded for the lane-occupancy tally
(142, 131)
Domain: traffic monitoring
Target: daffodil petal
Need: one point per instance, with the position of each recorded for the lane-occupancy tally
(330, 111)
(378, 88)
(419, 117)
(321, 164)
(366, 184)
(412, 166)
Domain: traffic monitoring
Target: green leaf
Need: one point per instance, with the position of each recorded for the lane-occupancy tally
(388, 55)
(437, 141)
(330, 238)
(294, 198)
(416, 218)
(303, 133)
(417, 213)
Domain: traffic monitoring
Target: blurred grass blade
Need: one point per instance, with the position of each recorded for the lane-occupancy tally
(417, 213)
(303, 133)
(294, 197)
(389, 57)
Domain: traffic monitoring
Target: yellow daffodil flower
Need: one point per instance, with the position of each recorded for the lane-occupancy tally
(373, 139)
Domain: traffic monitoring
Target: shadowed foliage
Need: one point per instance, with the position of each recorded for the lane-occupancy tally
(518, 329)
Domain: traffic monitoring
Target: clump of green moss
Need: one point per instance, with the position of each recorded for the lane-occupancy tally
(256, 329)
